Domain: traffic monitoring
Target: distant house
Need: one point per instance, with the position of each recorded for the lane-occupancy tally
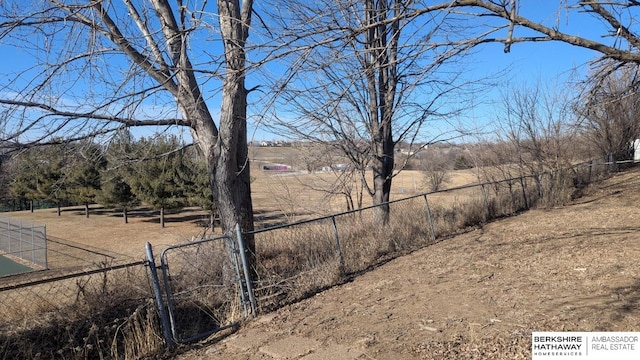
(277, 143)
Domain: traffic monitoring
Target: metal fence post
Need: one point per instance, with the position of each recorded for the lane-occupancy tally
(9, 233)
(20, 241)
(166, 331)
(245, 267)
(430, 219)
(46, 256)
(338, 247)
(33, 247)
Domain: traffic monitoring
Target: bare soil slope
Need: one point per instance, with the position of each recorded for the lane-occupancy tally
(479, 295)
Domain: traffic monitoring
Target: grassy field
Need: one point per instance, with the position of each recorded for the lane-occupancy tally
(75, 240)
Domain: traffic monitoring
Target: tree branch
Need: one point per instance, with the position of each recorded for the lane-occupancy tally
(128, 122)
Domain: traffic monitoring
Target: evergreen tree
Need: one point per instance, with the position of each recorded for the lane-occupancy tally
(154, 179)
(24, 185)
(40, 175)
(115, 191)
(194, 180)
(83, 174)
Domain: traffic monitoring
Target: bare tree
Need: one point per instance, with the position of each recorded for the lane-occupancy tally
(372, 75)
(537, 121)
(609, 109)
(98, 66)
(618, 39)
(436, 165)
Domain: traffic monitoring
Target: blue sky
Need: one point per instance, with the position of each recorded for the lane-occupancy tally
(550, 62)
(544, 62)
(529, 62)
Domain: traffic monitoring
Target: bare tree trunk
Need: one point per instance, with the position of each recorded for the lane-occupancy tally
(382, 173)
(231, 176)
(381, 50)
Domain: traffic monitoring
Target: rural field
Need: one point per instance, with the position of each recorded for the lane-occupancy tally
(474, 296)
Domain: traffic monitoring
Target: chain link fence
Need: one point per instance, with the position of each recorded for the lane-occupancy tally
(23, 240)
(101, 313)
(299, 259)
(200, 288)
(112, 312)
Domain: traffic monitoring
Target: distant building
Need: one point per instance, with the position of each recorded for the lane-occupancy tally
(276, 167)
(337, 167)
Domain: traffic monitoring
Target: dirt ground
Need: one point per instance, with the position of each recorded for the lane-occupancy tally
(474, 296)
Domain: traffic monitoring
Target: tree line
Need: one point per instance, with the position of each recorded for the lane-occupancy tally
(158, 171)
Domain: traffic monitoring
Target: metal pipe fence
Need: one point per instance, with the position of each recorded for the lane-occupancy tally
(200, 289)
(24, 240)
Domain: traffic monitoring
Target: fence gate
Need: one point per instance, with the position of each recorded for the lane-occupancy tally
(199, 289)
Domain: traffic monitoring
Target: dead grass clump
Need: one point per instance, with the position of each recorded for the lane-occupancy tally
(409, 226)
(139, 336)
(275, 292)
(122, 332)
(449, 220)
(364, 244)
(106, 315)
(289, 251)
(295, 262)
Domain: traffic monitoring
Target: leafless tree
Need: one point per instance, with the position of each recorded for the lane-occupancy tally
(93, 67)
(609, 109)
(537, 121)
(436, 164)
(618, 39)
(373, 74)
(515, 21)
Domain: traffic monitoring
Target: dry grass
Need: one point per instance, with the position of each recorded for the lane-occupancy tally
(99, 316)
(482, 293)
(293, 262)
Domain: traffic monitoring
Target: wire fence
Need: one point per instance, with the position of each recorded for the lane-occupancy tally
(85, 315)
(112, 312)
(201, 289)
(298, 259)
(24, 240)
